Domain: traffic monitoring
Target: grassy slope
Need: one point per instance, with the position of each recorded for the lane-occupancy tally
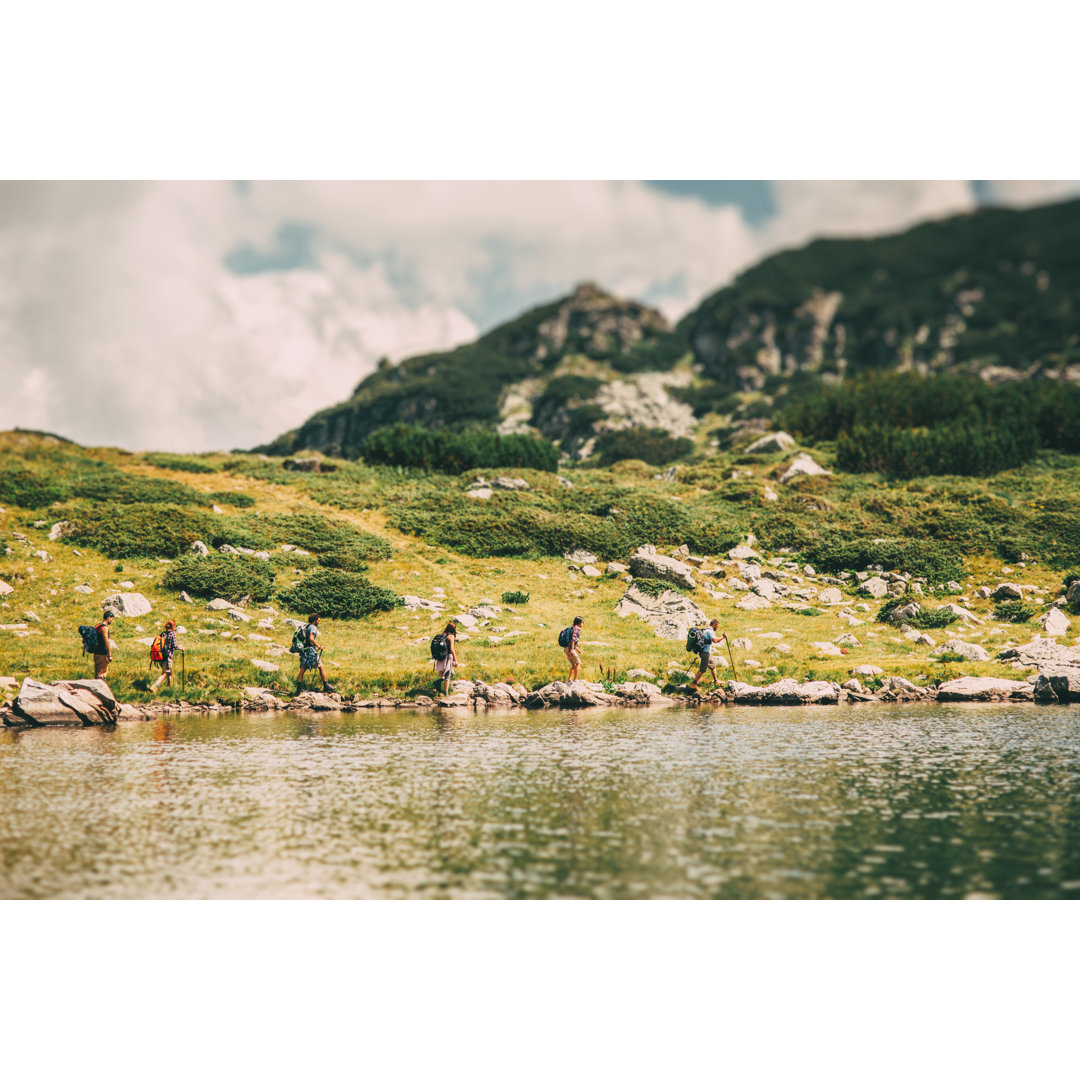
(389, 651)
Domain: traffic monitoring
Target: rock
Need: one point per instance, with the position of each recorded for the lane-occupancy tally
(969, 651)
(917, 637)
(466, 621)
(970, 688)
(830, 595)
(874, 587)
(1072, 597)
(128, 605)
(851, 620)
(802, 465)
(897, 684)
(417, 603)
(742, 643)
(1061, 684)
(897, 588)
(5, 589)
(1043, 651)
(84, 589)
(478, 493)
(60, 530)
(866, 671)
(578, 555)
(1007, 590)
(88, 701)
(200, 549)
(575, 695)
(315, 702)
(670, 614)
(954, 587)
(563, 482)
(184, 598)
(753, 602)
(772, 443)
(265, 665)
(852, 684)
(219, 605)
(485, 611)
(510, 483)
(661, 568)
(742, 551)
(591, 571)
(125, 584)
(307, 464)
(1054, 623)
(44, 556)
(216, 509)
(640, 673)
(784, 692)
(765, 587)
(827, 648)
(961, 613)
(847, 640)
(237, 615)
(983, 592)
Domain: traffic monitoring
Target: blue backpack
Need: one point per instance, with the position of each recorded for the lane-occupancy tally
(91, 638)
(566, 636)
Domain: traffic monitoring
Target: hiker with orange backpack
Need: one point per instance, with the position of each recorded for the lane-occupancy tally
(161, 653)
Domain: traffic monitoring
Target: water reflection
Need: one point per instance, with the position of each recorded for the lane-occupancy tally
(944, 801)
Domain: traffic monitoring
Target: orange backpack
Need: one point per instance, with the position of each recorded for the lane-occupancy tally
(156, 653)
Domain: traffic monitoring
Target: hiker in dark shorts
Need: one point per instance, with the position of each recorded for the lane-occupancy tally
(573, 650)
(444, 669)
(169, 646)
(707, 661)
(104, 647)
(310, 658)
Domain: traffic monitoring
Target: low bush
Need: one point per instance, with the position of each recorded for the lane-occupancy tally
(344, 560)
(934, 561)
(654, 446)
(181, 463)
(515, 597)
(111, 485)
(228, 576)
(28, 487)
(321, 535)
(239, 499)
(147, 530)
(924, 619)
(457, 451)
(338, 594)
(653, 587)
(1015, 611)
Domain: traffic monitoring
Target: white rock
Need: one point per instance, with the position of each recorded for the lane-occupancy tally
(480, 493)
(853, 684)
(1054, 623)
(966, 649)
(831, 595)
(753, 602)
(591, 571)
(866, 670)
(237, 615)
(5, 589)
(265, 665)
(771, 443)
(660, 567)
(60, 530)
(827, 648)
(127, 605)
(802, 465)
(184, 598)
(219, 605)
(742, 551)
(217, 509)
(874, 587)
(84, 589)
(848, 641)
(742, 643)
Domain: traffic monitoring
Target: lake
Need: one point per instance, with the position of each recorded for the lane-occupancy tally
(928, 801)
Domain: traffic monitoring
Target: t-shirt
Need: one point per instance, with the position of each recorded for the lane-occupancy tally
(168, 643)
(311, 633)
(710, 637)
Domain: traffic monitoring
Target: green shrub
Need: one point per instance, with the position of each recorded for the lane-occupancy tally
(924, 619)
(338, 594)
(321, 535)
(228, 576)
(344, 560)
(654, 446)
(138, 530)
(239, 499)
(1015, 611)
(934, 561)
(457, 451)
(653, 587)
(181, 463)
(29, 487)
(115, 486)
(515, 597)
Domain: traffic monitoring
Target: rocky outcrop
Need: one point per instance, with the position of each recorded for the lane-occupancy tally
(971, 688)
(1042, 651)
(670, 614)
(662, 568)
(83, 702)
(1054, 623)
(1059, 685)
(966, 649)
(784, 692)
(127, 605)
(772, 443)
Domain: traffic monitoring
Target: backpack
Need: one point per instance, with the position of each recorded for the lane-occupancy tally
(91, 639)
(695, 640)
(157, 649)
(566, 636)
(440, 647)
(300, 639)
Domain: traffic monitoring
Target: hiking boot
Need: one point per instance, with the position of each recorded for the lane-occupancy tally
(329, 688)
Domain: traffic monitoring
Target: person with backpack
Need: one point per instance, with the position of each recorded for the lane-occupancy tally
(97, 642)
(570, 640)
(310, 653)
(444, 654)
(161, 653)
(704, 651)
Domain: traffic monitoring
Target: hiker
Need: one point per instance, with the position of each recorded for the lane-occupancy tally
(445, 655)
(103, 648)
(573, 647)
(707, 663)
(310, 659)
(165, 645)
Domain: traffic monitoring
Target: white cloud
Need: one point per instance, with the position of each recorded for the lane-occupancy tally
(1032, 192)
(121, 324)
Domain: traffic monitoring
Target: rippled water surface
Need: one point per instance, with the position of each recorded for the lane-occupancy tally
(893, 801)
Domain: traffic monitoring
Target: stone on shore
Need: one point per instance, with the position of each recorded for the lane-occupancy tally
(86, 701)
(1041, 651)
(130, 605)
(971, 688)
(1061, 684)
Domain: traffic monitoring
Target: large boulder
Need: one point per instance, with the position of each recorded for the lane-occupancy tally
(961, 613)
(5, 589)
(1042, 651)
(570, 695)
(970, 688)
(670, 614)
(753, 602)
(875, 587)
(831, 595)
(131, 605)
(904, 613)
(1054, 623)
(418, 603)
(791, 692)
(662, 568)
(772, 443)
(966, 649)
(1058, 684)
(83, 701)
(199, 549)
(1007, 590)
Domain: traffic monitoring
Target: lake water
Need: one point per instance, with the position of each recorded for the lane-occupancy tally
(884, 801)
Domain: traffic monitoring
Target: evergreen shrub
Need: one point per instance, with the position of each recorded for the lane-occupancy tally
(654, 446)
(515, 597)
(228, 576)
(925, 619)
(338, 594)
(457, 451)
(1015, 611)
(181, 463)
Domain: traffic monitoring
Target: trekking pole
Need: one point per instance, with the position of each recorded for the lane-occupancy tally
(183, 672)
(731, 657)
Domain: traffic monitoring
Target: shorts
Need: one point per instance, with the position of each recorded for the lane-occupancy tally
(309, 657)
(101, 665)
(707, 662)
(573, 655)
(165, 664)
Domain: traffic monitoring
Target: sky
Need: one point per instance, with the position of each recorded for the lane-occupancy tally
(194, 316)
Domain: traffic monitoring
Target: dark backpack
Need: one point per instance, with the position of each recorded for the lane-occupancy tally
(695, 640)
(91, 639)
(566, 636)
(440, 647)
(301, 639)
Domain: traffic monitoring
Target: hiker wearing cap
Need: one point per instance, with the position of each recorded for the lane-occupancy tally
(104, 648)
(161, 653)
(573, 649)
(311, 654)
(447, 659)
(708, 663)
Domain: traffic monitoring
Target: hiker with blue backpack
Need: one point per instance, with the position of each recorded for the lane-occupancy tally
(701, 641)
(570, 640)
(445, 655)
(97, 642)
(310, 654)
